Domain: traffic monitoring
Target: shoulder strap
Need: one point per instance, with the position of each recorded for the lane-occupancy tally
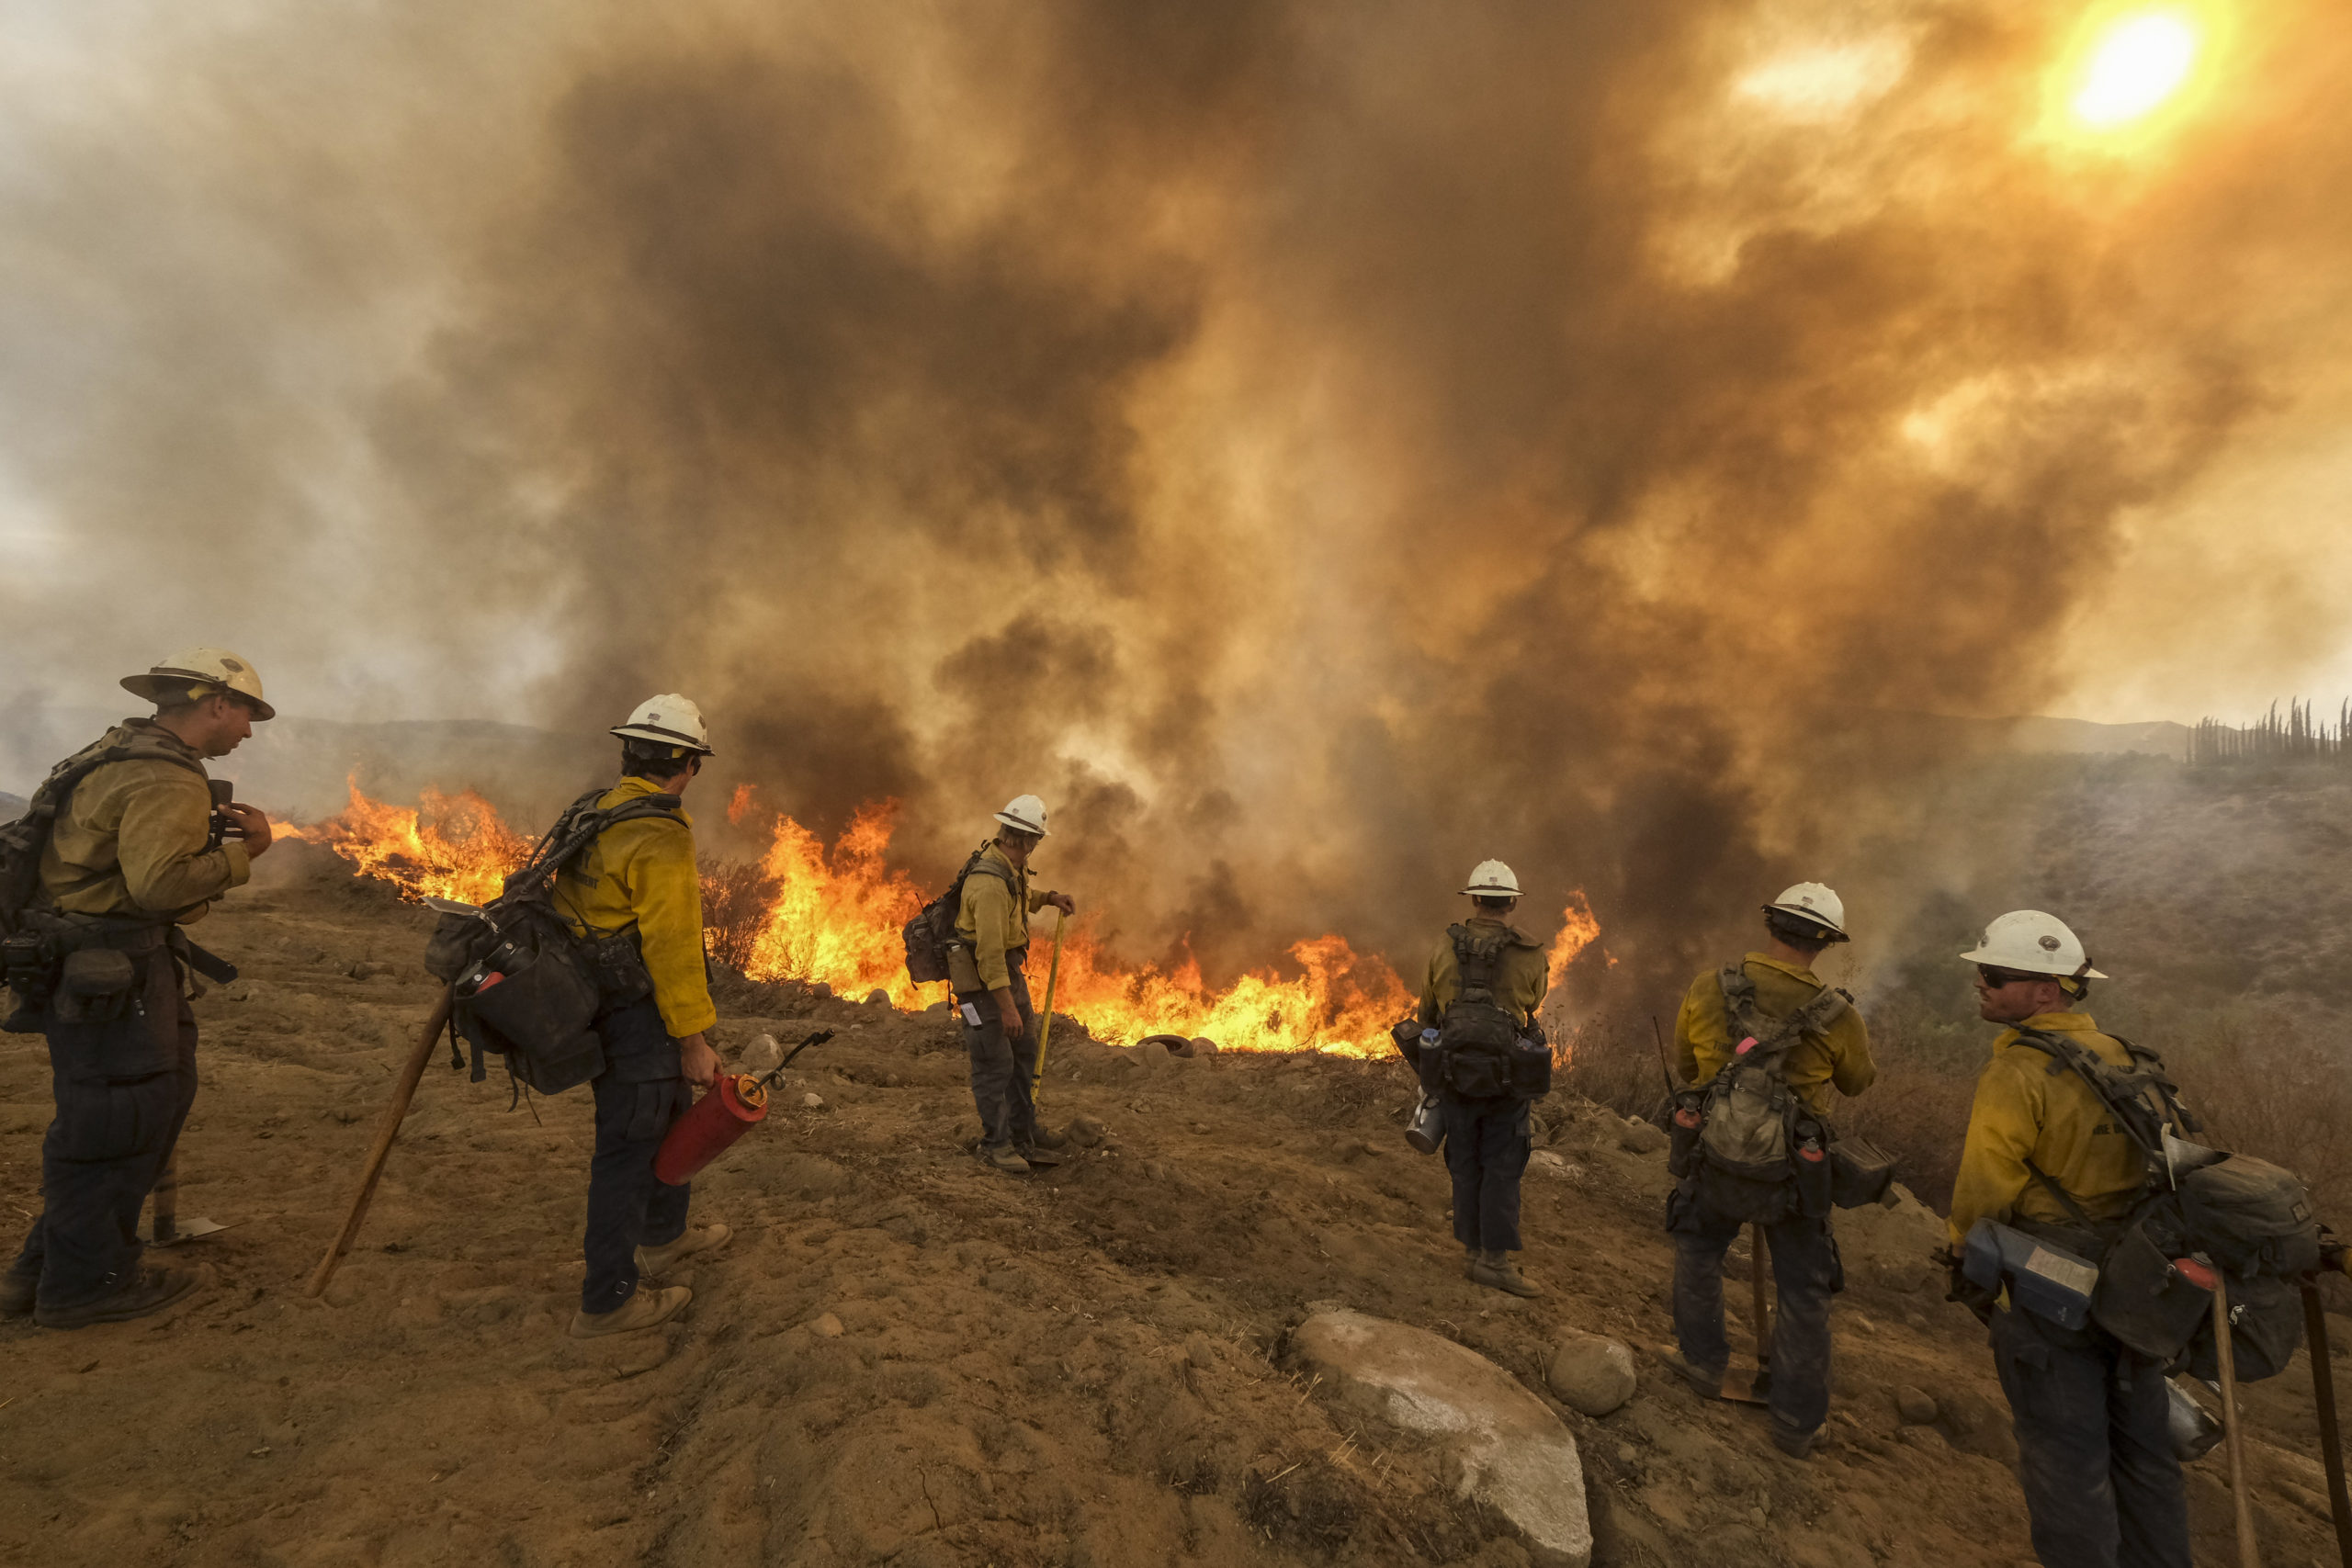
(2066, 1200)
(2118, 1088)
(1473, 957)
(1774, 1037)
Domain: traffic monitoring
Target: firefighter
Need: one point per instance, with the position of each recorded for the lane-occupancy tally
(1704, 1213)
(993, 992)
(2101, 1481)
(1484, 969)
(639, 878)
(137, 851)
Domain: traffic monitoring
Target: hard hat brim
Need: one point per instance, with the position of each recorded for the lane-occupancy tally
(1018, 826)
(1490, 892)
(159, 685)
(1996, 961)
(1812, 917)
(660, 737)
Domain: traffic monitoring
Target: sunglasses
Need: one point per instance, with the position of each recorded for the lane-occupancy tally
(1994, 979)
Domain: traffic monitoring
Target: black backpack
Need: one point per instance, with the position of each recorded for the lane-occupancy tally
(22, 841)
(529, 987)
(929, 936)
(1749, 1133)
(1482, 1053)
(2250, 1220)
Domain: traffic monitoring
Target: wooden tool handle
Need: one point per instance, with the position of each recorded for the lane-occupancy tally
(2331, 1441)
(387, 1130)
(1760, 1303)
(2249, 1550)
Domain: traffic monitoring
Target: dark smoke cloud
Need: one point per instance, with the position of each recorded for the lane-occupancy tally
(1316, 448)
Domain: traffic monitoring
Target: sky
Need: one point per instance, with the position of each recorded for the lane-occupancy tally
(1312, 446)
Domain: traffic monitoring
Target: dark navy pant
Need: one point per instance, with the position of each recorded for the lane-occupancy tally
(640, 1092)
(2094, 1454)
(121, 1091)
(1805, 1274)
(1004, 1071)
(1486, 1147)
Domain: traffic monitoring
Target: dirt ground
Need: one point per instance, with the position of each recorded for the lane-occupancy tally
(904, 1359)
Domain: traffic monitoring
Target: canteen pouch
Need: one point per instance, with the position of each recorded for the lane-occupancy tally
(1860, 1173)
(94, 985)
(2149, 1306)
(963, 970)
(1680, 1116)
(1530, 1068)
(1815, 1179)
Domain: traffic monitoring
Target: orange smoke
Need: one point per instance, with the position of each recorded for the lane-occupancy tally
(832, 915)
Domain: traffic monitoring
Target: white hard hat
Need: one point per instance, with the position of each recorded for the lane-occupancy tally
(1024, 813)
(1492, 879)
(1811, 902)
(667, 720)
(195, 673)
(2033, 943)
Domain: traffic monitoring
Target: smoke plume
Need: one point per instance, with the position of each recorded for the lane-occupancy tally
(1316, 448)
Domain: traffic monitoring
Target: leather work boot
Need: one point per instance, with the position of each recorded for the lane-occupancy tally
(1037, 1155)
(1705, 1383)
(1496, 1270)
(147, 1292)
(17, 1294)
(699, 1238)
(644, 1309)
(1791, 1441)
(1470, 1256)
(1003, 1160)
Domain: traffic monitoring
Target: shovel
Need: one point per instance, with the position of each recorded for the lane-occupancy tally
(1045, 1024)
(1747, 1385)
(2234, 1440)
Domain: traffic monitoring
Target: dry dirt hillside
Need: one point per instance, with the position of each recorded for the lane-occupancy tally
(902, 1358)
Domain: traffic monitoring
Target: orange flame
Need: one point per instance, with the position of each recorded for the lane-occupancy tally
(451, 846)
(1578, 929)
(833, 915)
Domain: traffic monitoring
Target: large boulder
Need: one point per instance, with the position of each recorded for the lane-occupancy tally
(1510, 1452)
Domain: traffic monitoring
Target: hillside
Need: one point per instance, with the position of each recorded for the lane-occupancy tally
(902, 1358)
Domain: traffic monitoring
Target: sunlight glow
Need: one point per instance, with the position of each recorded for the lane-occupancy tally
(2141, 62)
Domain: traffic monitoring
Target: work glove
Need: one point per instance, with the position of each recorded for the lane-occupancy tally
(1960, 1288)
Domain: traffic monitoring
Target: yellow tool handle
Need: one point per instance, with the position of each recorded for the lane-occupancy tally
(1046, 1024)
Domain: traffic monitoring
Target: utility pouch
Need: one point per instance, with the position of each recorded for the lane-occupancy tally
(94, 985)
(1816, 1180)
(1477, 1075)
(2150, 1307)
(28, 966)
(618, 963)
(963, 969)
(2266, 1327)
(1860, 1173)
(2043, 1278)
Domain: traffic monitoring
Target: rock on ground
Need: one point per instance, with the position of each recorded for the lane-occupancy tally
(1511, 1453)
(1589, 1373)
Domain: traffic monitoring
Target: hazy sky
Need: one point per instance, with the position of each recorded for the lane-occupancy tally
(1314, 446)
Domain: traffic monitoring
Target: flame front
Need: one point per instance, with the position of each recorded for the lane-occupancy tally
(805, 911)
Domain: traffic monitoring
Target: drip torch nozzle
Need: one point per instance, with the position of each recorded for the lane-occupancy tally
(767, 1079)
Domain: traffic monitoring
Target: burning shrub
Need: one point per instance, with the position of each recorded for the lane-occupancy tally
(735, 896)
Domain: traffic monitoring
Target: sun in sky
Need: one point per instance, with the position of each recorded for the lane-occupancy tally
(2138, 62)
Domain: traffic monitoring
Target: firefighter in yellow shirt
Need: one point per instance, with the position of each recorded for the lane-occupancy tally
(638, 884)
(99, 962)
(992, 991)
(1777, 984)
(2096, 1460)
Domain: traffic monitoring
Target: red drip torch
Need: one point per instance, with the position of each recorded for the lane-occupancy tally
(733, 1105)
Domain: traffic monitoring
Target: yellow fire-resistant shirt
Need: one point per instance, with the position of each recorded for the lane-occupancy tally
(1839, 1055)
(994, 915)
(643, 874)
(2024, 1111)
(132, 839)
(1522, 975)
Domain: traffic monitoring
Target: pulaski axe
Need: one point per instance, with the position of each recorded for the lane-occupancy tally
(388, 1129)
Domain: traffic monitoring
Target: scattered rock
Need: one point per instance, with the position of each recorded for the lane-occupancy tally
(762, 1054)
(825, 1326)
(1544, 1159)
(1640, 1138)
(1590, 1374)
(877, 997)
(1915, 1406)
(820, 990)
(1086, 1132)
(1201, 1046)
(1510, 1453)
(813, 1101)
